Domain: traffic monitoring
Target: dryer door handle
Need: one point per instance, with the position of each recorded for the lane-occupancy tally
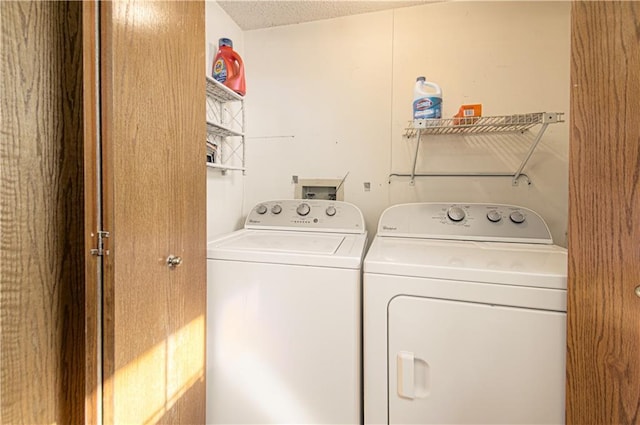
(413, 376)
(406, 388)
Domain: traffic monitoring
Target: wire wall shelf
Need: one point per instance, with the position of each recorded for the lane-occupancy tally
(225, 128)
(220, 92)
(469, 126)
(221, 130)
(475, 125)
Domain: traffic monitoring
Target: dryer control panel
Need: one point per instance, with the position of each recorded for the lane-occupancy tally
(306, 214)
(460, 221)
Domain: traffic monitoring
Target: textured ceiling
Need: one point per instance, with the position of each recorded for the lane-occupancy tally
(250, 15)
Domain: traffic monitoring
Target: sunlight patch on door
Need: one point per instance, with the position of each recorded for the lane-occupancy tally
(147, 387)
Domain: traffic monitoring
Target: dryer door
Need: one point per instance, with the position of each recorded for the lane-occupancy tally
(469, 363)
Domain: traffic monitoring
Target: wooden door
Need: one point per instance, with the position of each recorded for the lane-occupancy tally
(603, 317)
(41, 213)
(153, 179)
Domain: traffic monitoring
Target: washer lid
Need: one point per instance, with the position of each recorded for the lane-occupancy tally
(286, 242)
(289, 247)
(534, 265)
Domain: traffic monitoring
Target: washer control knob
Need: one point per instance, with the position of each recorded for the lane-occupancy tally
(494, 216)
(261, 209)
(276, 209)
(331, 211)
(303, 209)
(517, 217)
(455, 213)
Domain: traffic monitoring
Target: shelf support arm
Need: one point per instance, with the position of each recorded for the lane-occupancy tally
(415, 159)
(518, 173)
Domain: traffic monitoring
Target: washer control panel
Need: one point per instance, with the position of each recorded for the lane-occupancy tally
(471, 221)
(307, 215)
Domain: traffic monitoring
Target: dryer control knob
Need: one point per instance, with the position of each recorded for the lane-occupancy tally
(303, 209)
(331, 211)
(455, 213)
(517, 217)
(261, 209)
(494, 216)
(276, 209)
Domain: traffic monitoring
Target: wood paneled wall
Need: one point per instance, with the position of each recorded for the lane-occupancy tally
(41, 214)
(603, 320)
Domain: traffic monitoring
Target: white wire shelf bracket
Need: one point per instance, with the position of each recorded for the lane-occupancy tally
(519, 123)
(229, 114)
(464, 174)
(227, 153)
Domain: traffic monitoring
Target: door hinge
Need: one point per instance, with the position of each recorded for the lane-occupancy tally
(100, 251)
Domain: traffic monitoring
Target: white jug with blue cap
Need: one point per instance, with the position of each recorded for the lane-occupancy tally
(427, 103)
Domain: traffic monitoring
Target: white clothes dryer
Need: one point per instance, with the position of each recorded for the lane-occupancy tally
(284, 316)
(464, 317)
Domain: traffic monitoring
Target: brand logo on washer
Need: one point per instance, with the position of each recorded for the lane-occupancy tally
(389, 228)
(252, 221)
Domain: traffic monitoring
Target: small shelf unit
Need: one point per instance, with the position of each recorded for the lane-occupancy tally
(225, 128)
(516, 124)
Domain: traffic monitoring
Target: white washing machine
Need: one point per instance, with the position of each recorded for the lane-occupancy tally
(284, 316)
(464, 317)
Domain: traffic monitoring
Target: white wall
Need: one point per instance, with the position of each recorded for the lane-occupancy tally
(319, 106)
(332, 97)
(224, 192)
(513, 57)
